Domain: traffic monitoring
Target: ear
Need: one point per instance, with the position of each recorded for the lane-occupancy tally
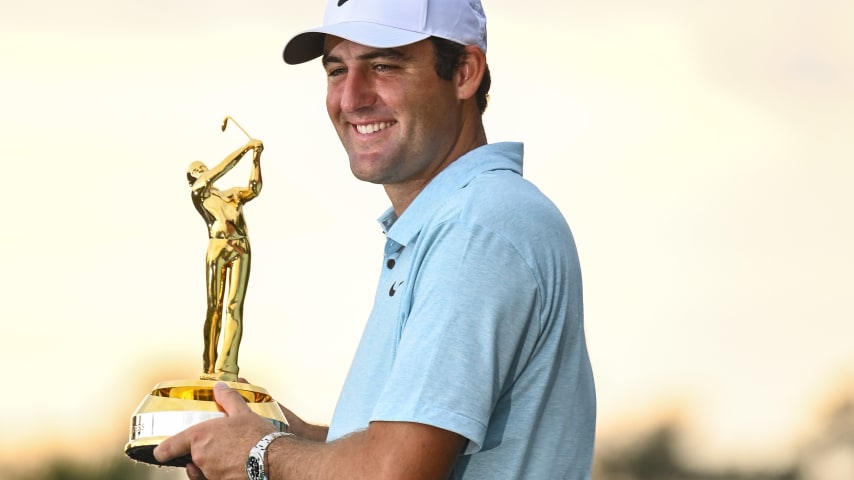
(470, 72)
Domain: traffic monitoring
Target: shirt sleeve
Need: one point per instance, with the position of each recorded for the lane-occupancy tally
(470, 327)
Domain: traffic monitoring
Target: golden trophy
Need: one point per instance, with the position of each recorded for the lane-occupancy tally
(176, 405)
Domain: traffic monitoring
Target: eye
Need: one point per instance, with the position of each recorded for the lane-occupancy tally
(334, 72)
(384, 67)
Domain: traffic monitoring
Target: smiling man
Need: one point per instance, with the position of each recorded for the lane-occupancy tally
(473, 363)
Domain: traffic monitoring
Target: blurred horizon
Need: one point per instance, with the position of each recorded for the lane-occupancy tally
(701, 154)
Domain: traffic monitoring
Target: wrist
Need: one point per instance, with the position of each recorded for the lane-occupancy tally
(309, 431)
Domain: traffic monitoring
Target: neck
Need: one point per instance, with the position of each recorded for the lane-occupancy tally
(402, 195)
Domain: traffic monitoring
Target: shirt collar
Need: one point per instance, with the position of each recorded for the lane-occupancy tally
(490, 157)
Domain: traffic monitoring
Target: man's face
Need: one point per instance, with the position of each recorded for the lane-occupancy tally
(398, 121)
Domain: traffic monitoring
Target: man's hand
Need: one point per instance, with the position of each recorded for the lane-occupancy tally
(219, 447)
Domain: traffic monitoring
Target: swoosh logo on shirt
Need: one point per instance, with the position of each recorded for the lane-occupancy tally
(391, 290)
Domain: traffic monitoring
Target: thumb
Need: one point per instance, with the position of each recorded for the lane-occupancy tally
(230, 400)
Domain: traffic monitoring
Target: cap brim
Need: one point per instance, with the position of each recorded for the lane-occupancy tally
(308, 45)
(303, 47)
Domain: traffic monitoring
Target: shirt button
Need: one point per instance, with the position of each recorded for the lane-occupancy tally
(390, 263)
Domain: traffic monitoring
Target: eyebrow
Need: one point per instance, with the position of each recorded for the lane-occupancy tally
(388, 53)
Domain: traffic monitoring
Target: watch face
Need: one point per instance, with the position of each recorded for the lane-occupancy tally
(253, 468)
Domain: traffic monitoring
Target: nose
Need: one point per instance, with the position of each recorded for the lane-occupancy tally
(357, 91)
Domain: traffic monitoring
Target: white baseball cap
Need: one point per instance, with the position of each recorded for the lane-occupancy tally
(391, 23)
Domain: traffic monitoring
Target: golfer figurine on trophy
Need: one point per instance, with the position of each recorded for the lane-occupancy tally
(228, 254)
(175, 405)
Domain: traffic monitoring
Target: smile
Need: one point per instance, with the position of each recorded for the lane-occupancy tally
(373, 127)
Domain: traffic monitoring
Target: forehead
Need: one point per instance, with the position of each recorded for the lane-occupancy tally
(340, 49)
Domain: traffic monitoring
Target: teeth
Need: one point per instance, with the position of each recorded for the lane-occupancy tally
(373, 127)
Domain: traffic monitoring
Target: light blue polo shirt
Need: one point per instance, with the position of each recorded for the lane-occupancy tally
(477, 326)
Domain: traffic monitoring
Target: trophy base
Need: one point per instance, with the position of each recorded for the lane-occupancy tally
(176, 405)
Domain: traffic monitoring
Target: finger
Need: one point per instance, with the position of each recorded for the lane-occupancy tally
(231, 402)
(174, 446)
(194, 472)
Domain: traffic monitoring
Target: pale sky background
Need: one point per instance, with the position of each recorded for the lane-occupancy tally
(701, 152)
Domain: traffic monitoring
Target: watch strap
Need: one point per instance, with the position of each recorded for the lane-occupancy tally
(259, 453)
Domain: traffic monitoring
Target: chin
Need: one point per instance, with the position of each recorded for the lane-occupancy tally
(367, 167)
(366, 176)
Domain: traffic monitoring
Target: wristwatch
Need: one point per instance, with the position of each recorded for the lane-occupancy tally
(255, 461)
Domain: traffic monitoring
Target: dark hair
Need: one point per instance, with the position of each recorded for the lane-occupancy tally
(449, 57)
